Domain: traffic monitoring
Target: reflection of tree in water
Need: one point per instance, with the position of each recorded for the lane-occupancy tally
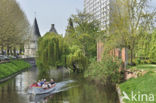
(44, 74)
(8, 93)
(39, 98)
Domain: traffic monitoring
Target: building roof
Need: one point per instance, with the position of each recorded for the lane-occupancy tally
(52, 29)
(36, 28)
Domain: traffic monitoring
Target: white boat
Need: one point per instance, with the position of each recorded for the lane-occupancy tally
(39, 90)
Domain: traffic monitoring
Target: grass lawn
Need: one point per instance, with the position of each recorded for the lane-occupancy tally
(142, 85)
(14, 66)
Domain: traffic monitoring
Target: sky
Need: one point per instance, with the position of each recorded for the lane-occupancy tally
(55, 12)
(50, 12)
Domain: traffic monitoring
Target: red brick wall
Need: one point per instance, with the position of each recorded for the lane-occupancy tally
(99, 50)
(124, 57)
(121, 53)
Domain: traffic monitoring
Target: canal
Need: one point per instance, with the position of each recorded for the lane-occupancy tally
(72, 89)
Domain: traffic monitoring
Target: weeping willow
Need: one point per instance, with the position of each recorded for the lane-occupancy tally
(51, 51)
(76, 59)
(54, 51)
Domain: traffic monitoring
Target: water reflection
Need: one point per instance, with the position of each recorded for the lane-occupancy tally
(70, 89)
(86, 93)
(44, 74)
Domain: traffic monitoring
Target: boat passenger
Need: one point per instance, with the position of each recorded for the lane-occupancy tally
(52, 82)
(49, 85)
(34, 84)
(42, 82)
(39, 83)
(44, 86)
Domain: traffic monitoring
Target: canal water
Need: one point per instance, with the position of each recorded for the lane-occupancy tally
(71, 89)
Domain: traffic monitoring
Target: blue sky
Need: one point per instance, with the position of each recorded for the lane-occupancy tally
(53, 12)
(50, 12)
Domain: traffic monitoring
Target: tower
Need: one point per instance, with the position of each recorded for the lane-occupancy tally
(52, 29)
(31, 46)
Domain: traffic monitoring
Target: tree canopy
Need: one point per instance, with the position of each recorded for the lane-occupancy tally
(54, 51)
(14, 25)
(131, 21)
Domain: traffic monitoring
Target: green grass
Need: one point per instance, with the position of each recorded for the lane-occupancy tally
(142, 85)
(145, 85)
(12, 67)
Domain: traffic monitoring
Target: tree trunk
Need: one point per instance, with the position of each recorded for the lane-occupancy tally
(14, 51)
(20, 52)
(8, 50)
(131, 56)
(74, 68)
(2, 50)
(11, 51)
(65, 62)
(21, 49)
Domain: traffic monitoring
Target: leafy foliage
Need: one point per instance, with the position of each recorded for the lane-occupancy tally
(130, 23)
(14, 25)
(106, 71)
(84, 33)
(146, 48)
(76, 58)
(152, 49)
(54, 51)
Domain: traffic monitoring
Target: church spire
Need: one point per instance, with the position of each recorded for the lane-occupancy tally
(36, 28)
(53, 29)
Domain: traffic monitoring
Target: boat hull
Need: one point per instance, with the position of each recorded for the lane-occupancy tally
(37, 91)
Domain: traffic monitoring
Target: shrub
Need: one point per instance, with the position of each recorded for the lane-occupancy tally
(106, 71)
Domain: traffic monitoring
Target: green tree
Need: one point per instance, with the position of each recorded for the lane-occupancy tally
(54, 51)
(106, 71)
(84, 33)
(83, 25)
(51, 51)
(143, 46)
(130, 20)
(14, 25)
(152, 49)
(70, 27)
(76, 59)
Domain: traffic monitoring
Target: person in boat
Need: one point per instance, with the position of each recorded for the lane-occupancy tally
(45, 86)
(52, 82)
(34, 84)
(49, 85)
(39, 83)
(42, 82)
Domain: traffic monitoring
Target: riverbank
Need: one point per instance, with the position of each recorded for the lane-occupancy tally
(142, 88)
(12, 68)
